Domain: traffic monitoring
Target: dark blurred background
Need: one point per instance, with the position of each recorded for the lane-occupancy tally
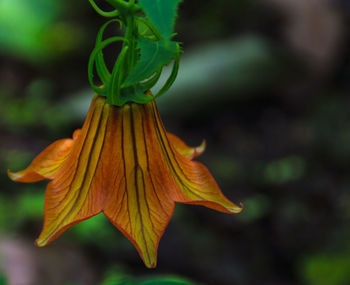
(266, 83)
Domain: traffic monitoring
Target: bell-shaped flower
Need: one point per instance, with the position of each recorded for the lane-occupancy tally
(122, 163)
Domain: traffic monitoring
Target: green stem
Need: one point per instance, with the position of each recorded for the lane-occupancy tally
(124, 7)
(131, 35)
(113, 93)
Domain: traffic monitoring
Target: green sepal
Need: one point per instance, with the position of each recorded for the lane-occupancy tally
(101, 68)
(92, 60)
(154, 55)
(162, 13)
(134, 94)
(171, 78)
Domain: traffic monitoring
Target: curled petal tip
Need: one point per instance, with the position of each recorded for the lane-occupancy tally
(39, 243)
(76, 134)
(12, 175)
(24, 176)
(184, 149)
(238, 209)
(201, 148)
(47, 163)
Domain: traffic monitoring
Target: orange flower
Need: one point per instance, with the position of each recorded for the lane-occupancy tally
(124, 164)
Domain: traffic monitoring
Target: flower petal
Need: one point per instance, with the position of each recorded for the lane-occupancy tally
(123, 164)
(195, 184)
(71, 197)
(140, 205)
(184, 149)
(47, 163)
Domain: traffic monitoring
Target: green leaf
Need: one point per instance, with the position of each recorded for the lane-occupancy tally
(165, 281)
(154, 55)
(162, 13)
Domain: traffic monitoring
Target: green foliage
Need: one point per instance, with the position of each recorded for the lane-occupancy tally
(4, 213)
(285, 170)
(3, 280)
(31, 204)
(256, 207)
(19, 210)
(327, 270)
(165, 281)
(35, 109)
(118, 275)
(30, 29)
(162, 14)
(25, 38)
(154, 54)
(95, 230)
(121, 279)
(147, 47)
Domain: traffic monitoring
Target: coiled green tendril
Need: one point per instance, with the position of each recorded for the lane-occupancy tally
(115, 84)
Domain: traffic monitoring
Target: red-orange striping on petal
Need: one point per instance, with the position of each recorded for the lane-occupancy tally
(195, 183)
(47, 163)
(124, 164)
(68, 197)
(140, 206)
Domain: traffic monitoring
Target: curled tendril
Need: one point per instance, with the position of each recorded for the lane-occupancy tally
(105, 73)
(147, 85)
(101, 68)
(115, 82)
(110, 14)
(172, 76)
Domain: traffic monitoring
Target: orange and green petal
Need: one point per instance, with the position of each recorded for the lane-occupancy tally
(185, 150)
(140, 205)
(114, 172)
(124, 164)
(74, 194)
(195, 183)
(47, 163)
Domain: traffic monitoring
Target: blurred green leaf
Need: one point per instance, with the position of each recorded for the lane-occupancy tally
(165, 281)
(4, 213)
(256, 207)
(117, 275)
(98, 225)
(326, 270)
(3, 280)
(16, 159)
(154, 54)
(285, 170)
(123, 280)
(34, 110)
(31, 204)
(162, 14)
(31, 29)
(23, 24)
